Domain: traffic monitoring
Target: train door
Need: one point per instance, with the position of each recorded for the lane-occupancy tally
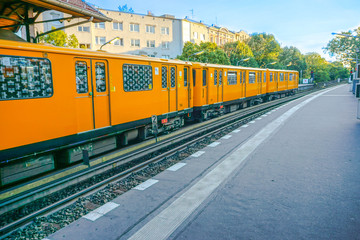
(92, 94)
(259, 82)
(187, 85)
(169, 82)
(218, 84)
(204, 87)
(220, 88)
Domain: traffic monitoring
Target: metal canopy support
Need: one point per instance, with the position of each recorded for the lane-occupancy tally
(61, 28)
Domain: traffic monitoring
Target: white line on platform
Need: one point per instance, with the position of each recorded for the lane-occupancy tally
(244, 126)
(226, 137)
(214, 144)
(167, 221)
(252, 122)
(146, 184)
(198, 154)
(176, 167)
(101, 211)
(236, 130)
(265, 115)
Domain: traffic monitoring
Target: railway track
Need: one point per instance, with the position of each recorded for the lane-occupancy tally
(96, 185)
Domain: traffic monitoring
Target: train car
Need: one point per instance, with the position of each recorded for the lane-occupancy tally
(58, 104)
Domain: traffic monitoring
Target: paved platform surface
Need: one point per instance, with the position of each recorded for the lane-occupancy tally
(290, 174)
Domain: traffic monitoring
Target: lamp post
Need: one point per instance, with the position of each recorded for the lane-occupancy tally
(270, 64)
(109, 42)
(242, 60)
(195, 54)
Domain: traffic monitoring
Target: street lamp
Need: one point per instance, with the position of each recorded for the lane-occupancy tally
(109, 42)
(289, 64)
(270, 64)
(242, 60)
(195, 54)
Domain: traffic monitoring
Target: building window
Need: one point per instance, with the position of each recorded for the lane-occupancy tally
(137, 77)
(232, 78)
(100, 40)
(165, 56)
(150, 43)
(100, 25)
(135, 42)
(119, 42)
(150, 29)
(83, 29)
(84, 45)
(165, 45)
(195, 35)
(118, 26)
(251, 77)
(134, 27)
(23, 77)
(202, 37)
(165, 30)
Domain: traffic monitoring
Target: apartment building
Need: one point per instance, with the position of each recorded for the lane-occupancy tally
(139, 34)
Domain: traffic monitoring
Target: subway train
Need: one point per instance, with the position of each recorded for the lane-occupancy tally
(58, 103)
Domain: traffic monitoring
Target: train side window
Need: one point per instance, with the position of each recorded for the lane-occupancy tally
(232, 78)
(290, 77)
(271, 77)
(172, 77)
(264, 77)
(241, 78)
(137, 77)
(164, 77)
(25, 77)
(252, 77)
(204, 77)
(185, 77)
(244, 77)
(259, 77)
(220, 77)
(215, 77)
(81, 77)
(194, 76)
(100, 74)
(281, 77)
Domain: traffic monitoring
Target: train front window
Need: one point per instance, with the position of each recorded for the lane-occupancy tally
(81, 77)
(100, 76)
(25, 77)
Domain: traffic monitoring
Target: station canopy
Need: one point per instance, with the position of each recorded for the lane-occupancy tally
(17, 13)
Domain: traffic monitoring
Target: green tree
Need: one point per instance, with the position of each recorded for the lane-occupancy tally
(211, 53)
(237, 51)
(337, 70)
(61, 39)
(265, 48)
(293, 57)
(318, 65)
(344, 48)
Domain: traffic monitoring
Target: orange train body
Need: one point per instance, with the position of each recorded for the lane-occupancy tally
(51, 97)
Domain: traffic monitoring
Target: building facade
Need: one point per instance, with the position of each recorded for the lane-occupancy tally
(156, 36)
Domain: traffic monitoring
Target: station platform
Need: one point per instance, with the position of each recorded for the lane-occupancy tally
(291, 174)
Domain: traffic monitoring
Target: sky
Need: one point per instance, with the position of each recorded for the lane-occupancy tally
(304, 24)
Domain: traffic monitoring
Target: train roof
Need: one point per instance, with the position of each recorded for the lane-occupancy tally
(198, 64)
(48, 48)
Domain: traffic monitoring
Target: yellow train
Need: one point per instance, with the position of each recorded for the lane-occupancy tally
(56, 102)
